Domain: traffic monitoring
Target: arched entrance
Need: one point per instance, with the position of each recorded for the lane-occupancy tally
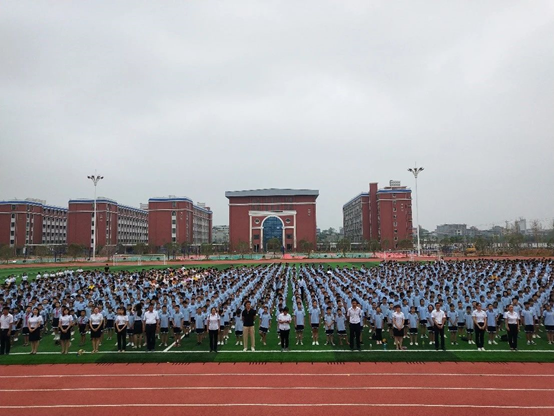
(272, 228)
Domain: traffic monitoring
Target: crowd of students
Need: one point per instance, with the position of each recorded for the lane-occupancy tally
(413, 303)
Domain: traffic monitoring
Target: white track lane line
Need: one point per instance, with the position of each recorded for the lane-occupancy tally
(207, 405)
(188, 375)
(270, 388)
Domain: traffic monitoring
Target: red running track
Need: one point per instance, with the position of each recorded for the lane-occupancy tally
(278, 388)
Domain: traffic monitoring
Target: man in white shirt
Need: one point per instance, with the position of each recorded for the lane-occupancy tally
(354, 316)
(6, 321)
(439, 318)
(151, 323)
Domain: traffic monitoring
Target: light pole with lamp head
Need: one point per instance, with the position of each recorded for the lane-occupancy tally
(416, 171)
(95, 179)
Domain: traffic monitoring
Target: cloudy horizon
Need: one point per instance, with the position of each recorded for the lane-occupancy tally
(198, 98)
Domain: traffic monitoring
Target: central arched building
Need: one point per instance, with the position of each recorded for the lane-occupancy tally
(260, 215)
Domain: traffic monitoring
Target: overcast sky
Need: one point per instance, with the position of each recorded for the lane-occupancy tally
(195, 98)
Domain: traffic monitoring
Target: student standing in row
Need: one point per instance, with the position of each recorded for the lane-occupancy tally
(121, 322)
(412, 324)
(398, 327)
(548, 320)
(480, 323)
(238, 327)
(177, 323)
(164, 326)
(340, 319)
(453, 324)
(65, 323)
(82, 322)
(354, 319)
(439, 318)
(151, 325)
(512, 326)
(315, 318)
(6, 321)
(95, 323)
(35, 323)
(213, 323)
(284, 319)
(265, 321)
(329, 321)
(528, 321)
(299, 317)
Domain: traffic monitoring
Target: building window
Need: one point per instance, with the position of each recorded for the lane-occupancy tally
(256, 236)
(396, 231)
(395, 223)
(172, 213)
(173, 204)
(394, 209)
(287, 220)
(257, 220)
(289, 236)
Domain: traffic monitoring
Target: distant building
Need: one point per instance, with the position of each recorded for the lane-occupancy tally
(115, 223)
(178, 220)
(451, 230)
(220, 234)
(31, 222)
(257, 216)
(382, 214)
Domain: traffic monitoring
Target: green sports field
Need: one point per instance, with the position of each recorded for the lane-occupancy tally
(189, 351)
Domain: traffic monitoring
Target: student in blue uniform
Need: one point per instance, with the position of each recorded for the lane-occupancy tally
(315, 318)
(548, 320)
(177, 324)
(164, 325)
(110, 317)
(329, 321)
(199, 324)
(528, 320)
(299, 317)
(238, 327)
(378, 323)
(452, 317)
(413, 319)
(469, 325)
(340, 320)
(491, 323)
(461, 319)
(265, 321)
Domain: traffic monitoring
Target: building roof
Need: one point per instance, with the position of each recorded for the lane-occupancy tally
(356, 197)
(272, 192)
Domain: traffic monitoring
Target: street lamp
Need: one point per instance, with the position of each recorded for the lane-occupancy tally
(416, 171)
(95, 179)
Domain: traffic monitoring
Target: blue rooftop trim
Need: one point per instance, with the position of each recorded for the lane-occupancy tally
(21, 202)
(142, 211)
(394, 191)
(272, 192)
(170, 199)
(91, 201)
(56, 208)
(356, 197)
(34, 203)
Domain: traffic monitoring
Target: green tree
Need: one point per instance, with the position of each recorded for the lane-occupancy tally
(140, 249)
(374, 246)
(306, 247)
(273, 244)
(206, 249)
(242, 248)
(74, 251)
(405, 244)
(6, 253)
(343, 245)
(41, 252)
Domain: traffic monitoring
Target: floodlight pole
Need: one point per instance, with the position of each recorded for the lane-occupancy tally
(95, 179)
(416, 171)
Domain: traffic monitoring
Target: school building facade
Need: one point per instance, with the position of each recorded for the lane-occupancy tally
(257, 216)
(384, 215)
